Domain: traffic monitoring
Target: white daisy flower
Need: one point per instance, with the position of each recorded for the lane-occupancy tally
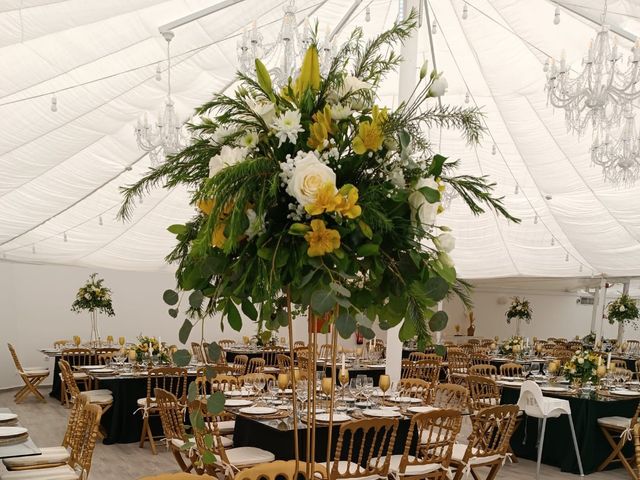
(287, 126)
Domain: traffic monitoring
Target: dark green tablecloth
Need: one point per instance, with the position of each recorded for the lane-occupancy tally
(558, 449)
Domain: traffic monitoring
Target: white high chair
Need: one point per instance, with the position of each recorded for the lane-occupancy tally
(534, 404)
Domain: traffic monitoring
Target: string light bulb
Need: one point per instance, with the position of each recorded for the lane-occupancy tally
(466, 97)
(100, 222)
(465, 12)
(494, 149)
(434, 28)
(545, 67)
(553, 241)
(556, 16)
(33, 249)
(158, 72)
(54, 103)
(516, 190)
(535, 220)
(566, 257)
(64, 237)
(367, 15)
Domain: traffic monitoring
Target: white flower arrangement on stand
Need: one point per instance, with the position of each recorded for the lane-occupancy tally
(520, 309)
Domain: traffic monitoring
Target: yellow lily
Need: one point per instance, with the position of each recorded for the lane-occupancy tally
(325, 201)
(309, 73)
(321, 239)
(369, 138)
(320, 129)
(348, 197)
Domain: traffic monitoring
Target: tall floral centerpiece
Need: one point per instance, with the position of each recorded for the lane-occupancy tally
(520, 309)
(95, 298)
(311, 195)
(623, 310)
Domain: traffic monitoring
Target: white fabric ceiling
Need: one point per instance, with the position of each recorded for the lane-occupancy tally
(61, 171)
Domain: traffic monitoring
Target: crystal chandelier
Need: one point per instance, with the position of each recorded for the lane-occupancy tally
(619, 159)
(167, 136)
(286, 53)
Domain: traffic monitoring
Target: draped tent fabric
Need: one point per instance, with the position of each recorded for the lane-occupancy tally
(61, 171)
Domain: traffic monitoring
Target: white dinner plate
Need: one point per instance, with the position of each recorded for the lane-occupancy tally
(258, 410)
(510, 383)
(89, 367)
(422, 409)
(102, 370)
(405, 400)
(9, 432)
(337, 417)
(551, 388)
(364, 404)
(378, 412)
(349, 399)
(237, 402)
(236, 393)
(8, 417)
(624, 392)
(377, 365)
(389, 407)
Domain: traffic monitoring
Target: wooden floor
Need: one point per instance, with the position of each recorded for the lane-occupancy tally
(46, 423)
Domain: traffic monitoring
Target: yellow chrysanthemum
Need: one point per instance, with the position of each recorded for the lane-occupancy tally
(348, 197)
(369, 138)
(321, 239)
(320, 129)
(326, 200)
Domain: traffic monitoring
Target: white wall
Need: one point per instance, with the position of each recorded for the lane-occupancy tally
(35, 303)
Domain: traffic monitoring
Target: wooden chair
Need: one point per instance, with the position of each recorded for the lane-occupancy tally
(483, 392)
(52, 456)
(31, 376)
(224, 383)
(104, 355)
(76, 357)
(636, 444)
(616, 430)
(366, 444)
(479, 359)
(488, 443)
(226, 343)
(428, 370)
(437, 432)
(415, 356)
(198, 354)
(172, 418)
(325, 351)
(240, 364)
(450, 396)
(171, 379)
(281, 470)
(270, 355)
(102, 397)
(255, 365)
(458, 365)
(483, 370)
(299, 344)
(284, 363)
(415, 388)
(510, 369)
(618, 363)
(407, 369)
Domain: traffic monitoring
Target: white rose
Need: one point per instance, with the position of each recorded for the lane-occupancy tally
(396, 176)
(228, 156)
(265, 109)
(340, 112)
(622, 309)
(438, 87)
(87, 296)
(426, 212)
(353, 84)
(581, 360)
(309, 174)
(445, 242)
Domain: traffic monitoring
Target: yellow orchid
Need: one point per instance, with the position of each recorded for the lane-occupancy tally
(326, 200)
(320, 129)
(309, 73)
(369, 138)
(321, 239)
(348, 197)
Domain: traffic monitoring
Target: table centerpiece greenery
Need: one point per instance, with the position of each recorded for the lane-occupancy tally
(512, 346)
(582, 367)
(150, 344)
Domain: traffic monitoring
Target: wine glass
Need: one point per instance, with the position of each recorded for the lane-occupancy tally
(121, 341)
(259, 385)
(343, 378)
(283, 381)
(110, 340)
(367, 389)
(384, 383)
(353, 388)
(302, 394)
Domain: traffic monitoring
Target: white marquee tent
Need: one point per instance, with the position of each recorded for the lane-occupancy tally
(60, 171)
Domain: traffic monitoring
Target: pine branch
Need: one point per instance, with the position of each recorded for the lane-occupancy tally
(477, 190)
(463, 290)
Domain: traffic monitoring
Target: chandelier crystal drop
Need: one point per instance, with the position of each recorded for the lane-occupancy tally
(284, 56)
(166, 137)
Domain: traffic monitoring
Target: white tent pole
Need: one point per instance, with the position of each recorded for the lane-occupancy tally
(407, 81)
(594, 310)
(192, 17)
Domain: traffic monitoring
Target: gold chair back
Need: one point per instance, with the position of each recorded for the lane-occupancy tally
(77, 356)
(284, 363)
(450, 396)
(491, 431)
(255, 365)
(428, 370)
(415, 388)
(511, 370)
(270, 355)
(15, 358)
(226, 343)
(196, 349)
(67, 377)
(171, 414)
(170, 379)
(72, 423)
(483, 370)
(280, 470)
(240, 364)
(407, 369)
(84, 439)
(483, 392)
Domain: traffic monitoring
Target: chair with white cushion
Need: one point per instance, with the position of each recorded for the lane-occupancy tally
(488, 443)
(484, 392)
(438, 431)
(281, 470)
(31, 376)
(76, 357)
(78, 465)
(617, 431)
(367, 445)
(534, 404)
(52, 456)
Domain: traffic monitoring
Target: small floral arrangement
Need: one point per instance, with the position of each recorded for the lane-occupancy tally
(93, 296)
(623, 309)
(512, 346)
(582, 367)
(520, 308)
(149, 343)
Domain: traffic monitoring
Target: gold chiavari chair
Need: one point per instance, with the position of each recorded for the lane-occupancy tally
(171, 379)
(196, 350)
(281, 470)
(76, 357)
(623, 373)
(479, 359)
(407, 369)
(488, 443)
(300, 351)
(255, 365)
(226, 343)
(618, 363)
(438, 430)
(510, 369)
(234, 459)
(636, 444)
(284, 363)
(615, 430)
(428, 370)
(240, 364)
(415, 388)
(78, 465)
(31, 376)
(458, 363)
(483, 370)
(637, 365)
(270, 355)
(450, 396)
(104, 355)
(367, 445)
(483, 392)
(224, 383)
(415, 356)
(52, 456)
(173, 428)
(299, 344)
(324, 352)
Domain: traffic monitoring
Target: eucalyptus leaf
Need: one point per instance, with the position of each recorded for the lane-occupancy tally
(170, 297)
(367, 332)
(438, 321)
(249, 309)
(177, 229)
(322, 301)
(345, 324)
(173, 312)
(181, 357)
(430, 194)
(339, 289)
(407, 330)
(233, 316)
(440, 350)
(214, 351)
(215, 403)
(436, 288)
(185, 331)
(192, 392)
(435, 170)
(368, 250)
(195, 299)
